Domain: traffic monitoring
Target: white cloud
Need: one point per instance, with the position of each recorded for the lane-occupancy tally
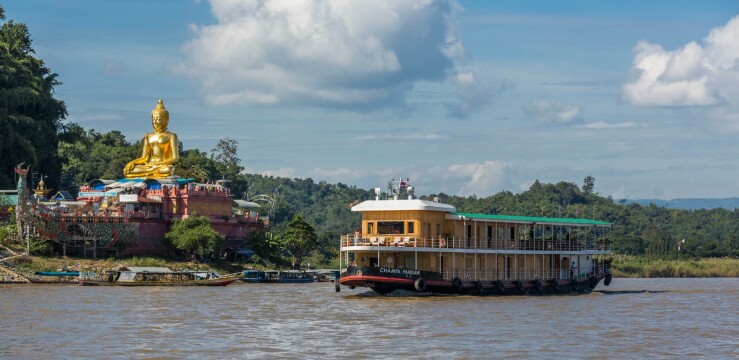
(473, 94)
(552, 112)
(343, 175)
(620, 193)
(692, 75)
(604, 125)
(401, 137)
(481, 178)
(287, 172)
(321, 52)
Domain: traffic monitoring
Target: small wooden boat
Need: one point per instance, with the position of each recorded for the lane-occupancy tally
(253, 276)
(324, 275)
(54, 277)
(157, 277)
(278, 276)
(288, 277)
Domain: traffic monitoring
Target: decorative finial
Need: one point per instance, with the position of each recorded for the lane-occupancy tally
(160, 110)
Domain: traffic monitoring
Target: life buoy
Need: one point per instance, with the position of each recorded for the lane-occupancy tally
(607, 281)
(479, 287)
(555, 285)
(420, 285)
(593, 282)
(457, 283)
(501, 286)
(537, 285)
(519, 286)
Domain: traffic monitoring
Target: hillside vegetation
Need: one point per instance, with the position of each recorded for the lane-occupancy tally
(649, 231)
(32, 130)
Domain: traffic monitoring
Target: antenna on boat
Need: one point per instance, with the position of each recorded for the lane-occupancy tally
(378, 191)
(396, 188)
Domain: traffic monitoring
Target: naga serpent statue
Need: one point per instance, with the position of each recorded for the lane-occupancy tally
(20, 207)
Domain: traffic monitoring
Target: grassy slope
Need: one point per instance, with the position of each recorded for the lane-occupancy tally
(630, 266)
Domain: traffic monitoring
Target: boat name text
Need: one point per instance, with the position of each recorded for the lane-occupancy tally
(404, 272)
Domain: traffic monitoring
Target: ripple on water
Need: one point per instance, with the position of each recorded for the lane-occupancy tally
(639, 317)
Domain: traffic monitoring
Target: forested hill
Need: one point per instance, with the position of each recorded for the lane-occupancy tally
(690, 204)
(637, 230)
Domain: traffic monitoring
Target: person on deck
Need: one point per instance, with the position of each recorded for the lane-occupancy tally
(573, 270)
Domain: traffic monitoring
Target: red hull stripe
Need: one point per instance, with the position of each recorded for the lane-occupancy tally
(362, 278)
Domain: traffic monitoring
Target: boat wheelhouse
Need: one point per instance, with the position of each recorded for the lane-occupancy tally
(427, 246)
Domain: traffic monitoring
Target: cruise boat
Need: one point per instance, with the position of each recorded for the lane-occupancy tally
(427, 246)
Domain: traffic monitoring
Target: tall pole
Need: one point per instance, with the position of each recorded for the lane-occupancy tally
(28, 241)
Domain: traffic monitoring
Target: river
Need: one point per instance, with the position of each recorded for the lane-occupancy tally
(633, 318)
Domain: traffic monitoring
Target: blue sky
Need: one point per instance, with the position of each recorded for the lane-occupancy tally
(461, 97)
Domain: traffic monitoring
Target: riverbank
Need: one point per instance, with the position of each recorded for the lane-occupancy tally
(28, 265)
(622, 266)
(642, 267)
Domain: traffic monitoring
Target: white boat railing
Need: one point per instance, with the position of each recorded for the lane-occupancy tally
(441, 242)
(525, 275)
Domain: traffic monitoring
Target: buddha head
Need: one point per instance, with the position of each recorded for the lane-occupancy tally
(160, 117)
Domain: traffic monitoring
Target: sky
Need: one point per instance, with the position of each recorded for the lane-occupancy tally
(460, 97)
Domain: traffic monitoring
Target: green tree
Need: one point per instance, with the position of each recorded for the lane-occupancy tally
(227, 161)
(588, 184)
(88, 155)
(195, 164)
(264, 245)
(299, 238)
(195, 235)
(30, 116)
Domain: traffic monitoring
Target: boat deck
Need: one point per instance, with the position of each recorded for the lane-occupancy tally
(351, 242)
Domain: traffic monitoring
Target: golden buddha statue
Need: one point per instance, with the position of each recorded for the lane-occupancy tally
(161, 149)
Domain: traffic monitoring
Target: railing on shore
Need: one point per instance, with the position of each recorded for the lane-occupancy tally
(476, 243)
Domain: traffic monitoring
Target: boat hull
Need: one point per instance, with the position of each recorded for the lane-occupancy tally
(208, 282)
(58, 282)
(384, 280)
(289, 281)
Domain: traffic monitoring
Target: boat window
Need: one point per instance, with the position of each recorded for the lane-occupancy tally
(490, 236)
(390, 227)
(370, 228)
(410, 262)
(438, 229)
(411, 227)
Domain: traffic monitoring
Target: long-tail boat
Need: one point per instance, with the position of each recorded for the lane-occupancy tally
(156, 277)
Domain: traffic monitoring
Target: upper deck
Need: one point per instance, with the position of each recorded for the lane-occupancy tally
(420, 225)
